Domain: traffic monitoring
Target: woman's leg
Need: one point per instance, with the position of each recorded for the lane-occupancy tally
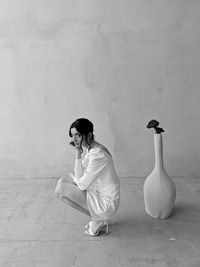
(74, 205)
(68, 191)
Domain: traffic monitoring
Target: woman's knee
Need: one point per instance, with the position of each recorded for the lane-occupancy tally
(64, 189)
(59, 189)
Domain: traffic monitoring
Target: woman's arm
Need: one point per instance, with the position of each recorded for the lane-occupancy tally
(80, 165)
(97, 163)
(78, 168)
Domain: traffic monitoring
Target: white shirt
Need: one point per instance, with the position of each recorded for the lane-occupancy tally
(96, 174)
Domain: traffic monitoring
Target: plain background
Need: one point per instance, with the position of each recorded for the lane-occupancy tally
(120, 63)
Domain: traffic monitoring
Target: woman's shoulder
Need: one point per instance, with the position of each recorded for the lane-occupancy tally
(99, 150)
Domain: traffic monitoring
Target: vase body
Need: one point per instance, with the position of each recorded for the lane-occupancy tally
(159, 189)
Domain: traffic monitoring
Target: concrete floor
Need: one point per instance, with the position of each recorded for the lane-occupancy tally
(38, 230)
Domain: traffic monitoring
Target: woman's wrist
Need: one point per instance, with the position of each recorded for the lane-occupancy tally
(78, 154)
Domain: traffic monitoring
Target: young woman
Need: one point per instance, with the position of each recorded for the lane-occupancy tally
(94, 188)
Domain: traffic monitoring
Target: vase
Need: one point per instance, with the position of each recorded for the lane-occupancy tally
(159, 189)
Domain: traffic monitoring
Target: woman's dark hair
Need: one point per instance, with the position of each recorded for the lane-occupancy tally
(84, 127)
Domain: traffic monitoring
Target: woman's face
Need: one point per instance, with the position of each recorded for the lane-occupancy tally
(77, 138)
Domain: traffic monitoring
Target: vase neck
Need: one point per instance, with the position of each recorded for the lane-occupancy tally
(158, 146)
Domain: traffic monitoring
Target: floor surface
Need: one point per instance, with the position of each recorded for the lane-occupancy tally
(39, 230)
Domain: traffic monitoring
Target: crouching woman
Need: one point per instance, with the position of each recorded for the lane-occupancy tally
(94, 188)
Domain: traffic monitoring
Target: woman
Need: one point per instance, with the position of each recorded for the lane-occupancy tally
(94, 188)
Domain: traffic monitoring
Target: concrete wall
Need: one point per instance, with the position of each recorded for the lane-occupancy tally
(119, 63)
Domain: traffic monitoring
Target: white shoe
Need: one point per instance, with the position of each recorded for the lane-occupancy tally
(91, 232)
(88, 225)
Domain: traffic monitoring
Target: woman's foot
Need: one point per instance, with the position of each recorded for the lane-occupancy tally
(88, 225)
(94, 227)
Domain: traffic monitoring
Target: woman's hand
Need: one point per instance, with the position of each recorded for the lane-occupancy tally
(79, 149)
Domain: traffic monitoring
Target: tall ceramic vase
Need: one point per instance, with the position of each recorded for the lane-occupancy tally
(159, 189)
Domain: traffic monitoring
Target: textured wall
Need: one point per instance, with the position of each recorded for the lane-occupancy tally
(118, 62)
